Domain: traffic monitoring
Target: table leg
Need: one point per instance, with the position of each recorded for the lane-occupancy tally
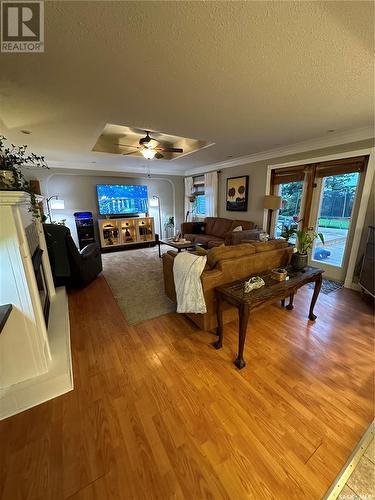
(220, 327)
(282, 302)
(159, 249)
(290, 306)
(244, 317)
(318, 284)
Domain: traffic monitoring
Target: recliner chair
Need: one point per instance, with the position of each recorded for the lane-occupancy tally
(69, 265)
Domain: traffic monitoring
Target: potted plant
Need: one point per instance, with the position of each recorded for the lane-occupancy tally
(305, 241)
(289, 230)
(169, 226)
(12, 159)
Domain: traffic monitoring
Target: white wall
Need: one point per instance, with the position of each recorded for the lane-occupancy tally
(78, 190)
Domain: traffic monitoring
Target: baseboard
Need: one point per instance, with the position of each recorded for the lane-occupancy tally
(59, 378)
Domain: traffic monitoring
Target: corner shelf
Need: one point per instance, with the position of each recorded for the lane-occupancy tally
(123, 232)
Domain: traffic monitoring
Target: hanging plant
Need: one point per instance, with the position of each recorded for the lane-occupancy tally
(12, 160)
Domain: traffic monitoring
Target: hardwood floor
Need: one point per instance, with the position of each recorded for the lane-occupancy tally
(157, 413)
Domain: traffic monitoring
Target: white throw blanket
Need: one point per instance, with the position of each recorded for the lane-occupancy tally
(187, 270)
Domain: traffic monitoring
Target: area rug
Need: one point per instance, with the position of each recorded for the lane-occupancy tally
(328, 286)
(136, 280)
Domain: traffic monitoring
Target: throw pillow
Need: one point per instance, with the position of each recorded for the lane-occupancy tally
(238, 228)
(199, 227)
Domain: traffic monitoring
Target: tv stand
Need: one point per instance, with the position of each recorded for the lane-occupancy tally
(116, 233)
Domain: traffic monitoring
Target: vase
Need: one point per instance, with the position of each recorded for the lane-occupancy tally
(6, 179)
(299, 261)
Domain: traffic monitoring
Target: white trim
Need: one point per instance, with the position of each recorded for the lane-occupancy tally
(366, 191)
(335, 139)
(175, 171)
(317, 159)
(59, 377)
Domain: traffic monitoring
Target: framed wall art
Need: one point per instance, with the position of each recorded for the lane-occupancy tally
(237, 193)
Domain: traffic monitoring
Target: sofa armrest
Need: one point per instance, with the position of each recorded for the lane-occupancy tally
(249, 234)
(90, 250)
(237, 237)
(186, 228)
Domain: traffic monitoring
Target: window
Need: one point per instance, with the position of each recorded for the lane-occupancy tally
(200, 204)
(199, 209)
(291, 195)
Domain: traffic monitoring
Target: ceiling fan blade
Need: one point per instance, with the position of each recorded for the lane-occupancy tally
(128, 146)
(130, 153)
(158, 156)
(170, 150)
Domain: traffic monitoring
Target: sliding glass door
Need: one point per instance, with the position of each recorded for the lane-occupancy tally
(332, 213)
(324, 197)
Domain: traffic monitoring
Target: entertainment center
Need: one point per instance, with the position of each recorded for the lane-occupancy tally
(126, 231)
(125, 208)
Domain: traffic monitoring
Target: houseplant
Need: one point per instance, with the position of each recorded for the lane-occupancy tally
(12, 159)
(289, 230)
(305, 241)
(169, 226)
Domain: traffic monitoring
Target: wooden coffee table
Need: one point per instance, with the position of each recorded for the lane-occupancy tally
(234, 294)
(178, 246)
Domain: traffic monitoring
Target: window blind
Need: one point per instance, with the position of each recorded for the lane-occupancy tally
(286, 175)
(339, 167)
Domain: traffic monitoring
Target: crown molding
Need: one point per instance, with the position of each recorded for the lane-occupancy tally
(14, 198)
(334, 139)
(120, 169)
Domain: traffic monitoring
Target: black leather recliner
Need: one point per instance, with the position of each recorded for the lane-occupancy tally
(70, 266)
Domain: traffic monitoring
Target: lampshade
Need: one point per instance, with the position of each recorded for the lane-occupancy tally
(272, 202)
(148, 153)
(57, 204)
(153, 202)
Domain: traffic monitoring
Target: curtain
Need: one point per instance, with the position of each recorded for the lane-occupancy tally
(210, 191)
(188, 191)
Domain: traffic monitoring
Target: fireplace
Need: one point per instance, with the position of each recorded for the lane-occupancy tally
(37, 253)
(41, 282)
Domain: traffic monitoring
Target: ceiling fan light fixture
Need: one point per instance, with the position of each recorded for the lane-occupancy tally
(148, 153)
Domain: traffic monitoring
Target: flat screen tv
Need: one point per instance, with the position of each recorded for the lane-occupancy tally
(119, 199)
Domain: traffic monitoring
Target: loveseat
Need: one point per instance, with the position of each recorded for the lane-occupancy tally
(215, 231)
(224, 265)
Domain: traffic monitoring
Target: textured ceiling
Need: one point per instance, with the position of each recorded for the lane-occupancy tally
(247, 76)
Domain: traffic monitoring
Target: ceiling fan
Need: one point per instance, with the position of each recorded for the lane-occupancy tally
(150, 148)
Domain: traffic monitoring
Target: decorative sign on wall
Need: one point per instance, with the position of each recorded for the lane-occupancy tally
(237, 193)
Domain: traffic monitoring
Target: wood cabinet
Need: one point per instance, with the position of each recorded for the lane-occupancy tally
(366, 279)
(122, 232)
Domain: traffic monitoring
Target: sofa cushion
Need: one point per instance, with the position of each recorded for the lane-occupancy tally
(215, 242)
(190, 237)
(210, 222)
(246, 224)
(205, 238)
(266, 246)
(199, 228)
(223, 252)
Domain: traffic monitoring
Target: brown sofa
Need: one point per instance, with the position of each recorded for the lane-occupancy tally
(224, 265)
(219, 230)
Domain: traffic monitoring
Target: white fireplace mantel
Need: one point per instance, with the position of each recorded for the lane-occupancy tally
(32, 355)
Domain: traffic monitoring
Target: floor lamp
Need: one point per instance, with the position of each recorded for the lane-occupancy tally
(271, 203)
(53, 203)
(156, 197)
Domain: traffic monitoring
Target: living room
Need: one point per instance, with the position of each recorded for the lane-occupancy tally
(186, 240)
